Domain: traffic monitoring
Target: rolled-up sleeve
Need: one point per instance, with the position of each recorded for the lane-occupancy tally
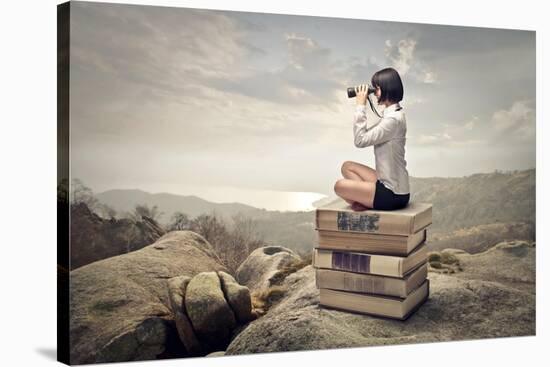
(383, 131)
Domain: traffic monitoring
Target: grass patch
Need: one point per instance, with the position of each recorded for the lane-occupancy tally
(443, 262)
(288, 269)
(262, 300)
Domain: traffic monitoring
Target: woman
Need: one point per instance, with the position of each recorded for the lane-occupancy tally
(387, 186)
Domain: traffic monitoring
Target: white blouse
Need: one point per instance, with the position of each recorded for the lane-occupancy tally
(388, 137)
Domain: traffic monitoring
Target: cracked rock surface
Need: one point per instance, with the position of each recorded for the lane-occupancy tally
(262, 267)
(209, 308)
(120, 308)
(493, 296)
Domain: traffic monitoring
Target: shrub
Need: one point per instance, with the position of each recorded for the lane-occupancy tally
(448, 258)
(434, 256)
(265, 298)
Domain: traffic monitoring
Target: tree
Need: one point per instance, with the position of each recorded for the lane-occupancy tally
(180, 221)
(241, 241)
(143, 210)
(232, 245)
(244, 231)
(107, 211)
(83, 194)
(210, 227)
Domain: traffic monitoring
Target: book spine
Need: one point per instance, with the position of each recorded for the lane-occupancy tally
(364, 222)
(417, 278)
(359, 263)
(363, 237)
(361, 303)
(386, 250)
(362, 283)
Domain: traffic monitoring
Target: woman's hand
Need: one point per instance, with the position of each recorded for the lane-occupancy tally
(361, 94)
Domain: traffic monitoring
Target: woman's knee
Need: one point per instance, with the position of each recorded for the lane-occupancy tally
(346, 166)
(339, 186)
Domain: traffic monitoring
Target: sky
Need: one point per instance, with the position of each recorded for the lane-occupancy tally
(252, 107)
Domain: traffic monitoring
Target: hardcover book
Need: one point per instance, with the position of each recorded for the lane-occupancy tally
(368, 283)
(369, 242)
(339, 216)
(392, 307)
(357, 262)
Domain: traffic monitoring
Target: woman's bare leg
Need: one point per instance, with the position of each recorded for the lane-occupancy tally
(354, 171)
(356, 191)
(359, 172)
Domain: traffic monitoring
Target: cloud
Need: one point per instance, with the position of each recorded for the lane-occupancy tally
(401, 56)
(505, 127)
(429, 77)
(309, 77)
(515, 123)
(453, 135)
(170, 53)
(445, 140)
(306, 54)
(164, 55)
(176, 95)
(434, 139)
(469, 125)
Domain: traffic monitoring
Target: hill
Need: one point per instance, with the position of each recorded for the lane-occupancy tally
(459, 203)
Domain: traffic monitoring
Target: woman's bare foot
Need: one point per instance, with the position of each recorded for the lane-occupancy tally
(358, 206)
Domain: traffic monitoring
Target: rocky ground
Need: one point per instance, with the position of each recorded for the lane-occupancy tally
(120, 307)
(174, 299)
(493, 296)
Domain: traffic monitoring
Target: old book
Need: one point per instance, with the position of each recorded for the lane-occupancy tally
(367, 283)
(392, 307)
(358, 262)
(338, 216)
(371, 243)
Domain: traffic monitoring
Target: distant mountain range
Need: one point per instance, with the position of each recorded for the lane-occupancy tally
(125, 201)
(482, 198)
(458, 202)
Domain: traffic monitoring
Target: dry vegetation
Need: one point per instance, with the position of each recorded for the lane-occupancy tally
(233, 243)
(263, 299)
(443, 262)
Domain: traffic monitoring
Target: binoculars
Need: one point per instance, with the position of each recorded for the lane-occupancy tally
(351, 91)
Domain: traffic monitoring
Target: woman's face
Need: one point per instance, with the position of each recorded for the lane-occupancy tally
(378, 93)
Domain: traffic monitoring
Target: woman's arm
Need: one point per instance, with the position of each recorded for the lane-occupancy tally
(377, 134)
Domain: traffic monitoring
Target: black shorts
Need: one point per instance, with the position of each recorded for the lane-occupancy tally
(385, 199)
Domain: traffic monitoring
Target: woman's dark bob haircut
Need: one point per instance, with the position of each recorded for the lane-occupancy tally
(391, 87)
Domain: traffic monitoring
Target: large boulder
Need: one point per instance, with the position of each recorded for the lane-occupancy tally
(266, 266)
(211, 316)
(120, 308)
(238, 297)
(209, 309)
(493, 296)
(177, 287)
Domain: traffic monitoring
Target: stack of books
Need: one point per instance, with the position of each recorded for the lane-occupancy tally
(372, 261)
